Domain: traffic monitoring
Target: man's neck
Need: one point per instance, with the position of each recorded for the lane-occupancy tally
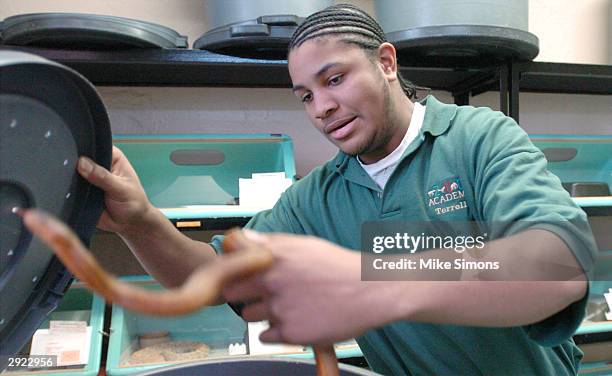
(401, 116)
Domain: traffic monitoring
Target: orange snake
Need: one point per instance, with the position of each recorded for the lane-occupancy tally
(201, 289)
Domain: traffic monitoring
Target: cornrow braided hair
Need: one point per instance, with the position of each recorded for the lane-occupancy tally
(353, 25)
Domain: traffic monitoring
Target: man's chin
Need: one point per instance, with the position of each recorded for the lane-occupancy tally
(353, 152)
(351, 146)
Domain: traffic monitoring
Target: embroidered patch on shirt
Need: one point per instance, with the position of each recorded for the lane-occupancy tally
(446, 196)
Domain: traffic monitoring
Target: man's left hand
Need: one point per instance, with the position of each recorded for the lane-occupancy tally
(311, 294)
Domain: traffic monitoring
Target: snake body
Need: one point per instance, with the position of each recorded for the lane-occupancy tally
(202, 288)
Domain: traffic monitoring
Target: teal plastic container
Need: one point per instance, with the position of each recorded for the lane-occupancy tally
(78, 304)
(578, 158)
(596, 369)
(585, 159)
(179, 172)
(216, 326)
(588, 159)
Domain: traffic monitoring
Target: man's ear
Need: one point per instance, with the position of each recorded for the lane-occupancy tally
(387, 60)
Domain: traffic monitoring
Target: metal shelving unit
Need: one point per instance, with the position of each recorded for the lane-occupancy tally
(181, 67)
(185, 67)
(197, 68)
(511, 78)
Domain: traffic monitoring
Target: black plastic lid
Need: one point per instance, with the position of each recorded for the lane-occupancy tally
(50, 116)
(88, 32)
(267, 37)
(467, 43)
(260, 366)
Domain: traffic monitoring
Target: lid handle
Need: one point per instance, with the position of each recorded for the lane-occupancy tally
(280, 20)
(249, 30)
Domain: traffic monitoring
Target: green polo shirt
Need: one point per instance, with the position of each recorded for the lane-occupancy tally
(502, 176)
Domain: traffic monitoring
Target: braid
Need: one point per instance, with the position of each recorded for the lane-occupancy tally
(353, 25)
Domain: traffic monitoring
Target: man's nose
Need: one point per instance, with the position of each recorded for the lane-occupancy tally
(324, 106)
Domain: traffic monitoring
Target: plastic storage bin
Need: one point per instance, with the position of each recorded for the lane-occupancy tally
(78, 304)
(218, 327)
(197, 176)
(584, 166)
(583, 163)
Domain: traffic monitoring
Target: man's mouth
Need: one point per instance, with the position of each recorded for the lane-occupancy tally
(339, 129)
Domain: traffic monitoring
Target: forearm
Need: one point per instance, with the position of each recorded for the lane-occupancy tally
(165, 253)
(527, 288)
(336, 301)
(477, 303)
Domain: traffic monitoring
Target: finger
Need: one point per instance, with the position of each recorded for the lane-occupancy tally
(245, 290)
(257, 311)
(100, 176)
(242, 265)
(275, 241)
(255, 236)
(272, 334)
(117, 154)
(238, 239)
(233, 241)
(95, 174)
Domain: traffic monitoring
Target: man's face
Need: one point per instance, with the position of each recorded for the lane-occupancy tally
(345, 95)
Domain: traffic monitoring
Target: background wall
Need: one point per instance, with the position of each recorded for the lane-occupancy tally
(572, 31)
(569, 31)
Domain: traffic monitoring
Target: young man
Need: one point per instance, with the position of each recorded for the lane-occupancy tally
(395, 155)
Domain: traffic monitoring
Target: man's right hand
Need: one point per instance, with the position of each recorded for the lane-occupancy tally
(126, 203)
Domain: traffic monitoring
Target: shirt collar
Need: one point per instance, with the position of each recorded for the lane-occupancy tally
(438, 118)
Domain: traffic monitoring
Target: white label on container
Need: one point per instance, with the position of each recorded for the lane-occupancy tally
(69, 341)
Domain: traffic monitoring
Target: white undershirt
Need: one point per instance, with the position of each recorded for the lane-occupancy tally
(381, 171)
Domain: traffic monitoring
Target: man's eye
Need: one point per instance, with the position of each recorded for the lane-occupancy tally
(306, 98)
(335, 80)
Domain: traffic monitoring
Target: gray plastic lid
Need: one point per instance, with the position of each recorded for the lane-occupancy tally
(87, 31)
(467, 42)
(50, 116)
(266, 37)
(260, 366)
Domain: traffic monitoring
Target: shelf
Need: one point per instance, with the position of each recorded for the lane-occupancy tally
(543, 77)
(565, 78)
(180, 67)
(185, 67)
(199, 217)
(170, 67)
(462, 78)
